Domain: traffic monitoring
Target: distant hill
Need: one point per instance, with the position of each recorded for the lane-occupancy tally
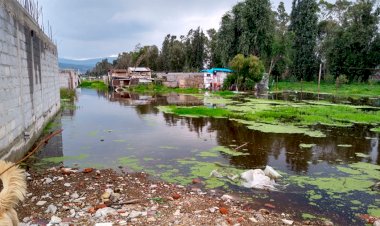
(81, 65)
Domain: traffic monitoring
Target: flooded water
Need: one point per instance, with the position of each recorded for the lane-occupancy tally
(327, 179)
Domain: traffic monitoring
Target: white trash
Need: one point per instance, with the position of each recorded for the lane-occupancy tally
(270, 172)
(260, 179)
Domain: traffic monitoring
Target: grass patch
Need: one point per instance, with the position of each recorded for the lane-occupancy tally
(152, 88)
(353, 89)
(67, 94)
(97, 84)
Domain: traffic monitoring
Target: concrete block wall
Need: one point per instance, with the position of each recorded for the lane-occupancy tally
(183, 80)
(29, 82)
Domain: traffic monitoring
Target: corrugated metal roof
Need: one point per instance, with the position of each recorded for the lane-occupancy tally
(139, 69)
(212, 70)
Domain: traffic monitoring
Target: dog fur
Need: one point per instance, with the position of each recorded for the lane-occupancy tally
(14, 190)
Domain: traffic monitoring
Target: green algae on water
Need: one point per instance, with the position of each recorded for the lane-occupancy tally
(213, 152)
(362, 155)
(131, 162)
(306, 145)
(65, 158)
(307, 216)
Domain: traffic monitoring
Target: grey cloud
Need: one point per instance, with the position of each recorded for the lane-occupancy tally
(93, 28)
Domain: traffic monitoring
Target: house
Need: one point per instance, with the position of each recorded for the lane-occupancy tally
(69, 79)
(118, 78)
(214, 77)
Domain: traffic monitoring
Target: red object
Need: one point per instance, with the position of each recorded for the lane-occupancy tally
(176, 196)
(197, 181)
(223, 210)
(100, 206)
(88, 170)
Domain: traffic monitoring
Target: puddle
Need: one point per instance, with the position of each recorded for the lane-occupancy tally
(328, 174)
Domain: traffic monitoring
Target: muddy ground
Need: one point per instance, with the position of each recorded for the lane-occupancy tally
(63, 196)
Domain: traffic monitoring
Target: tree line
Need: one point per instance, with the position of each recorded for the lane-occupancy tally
(343, 37)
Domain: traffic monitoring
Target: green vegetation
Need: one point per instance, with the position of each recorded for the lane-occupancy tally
(131, 162)
(353, 89)
(247, 71)
(97, 84)
(376, 130)
(152, 88)
(67, 94)
(354, 177)
(279, 116)
(65, 158)
(195, 111)
(214, 152)
(306, 145)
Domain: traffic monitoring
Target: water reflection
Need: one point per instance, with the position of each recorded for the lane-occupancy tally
(305, 96)
(108, 126)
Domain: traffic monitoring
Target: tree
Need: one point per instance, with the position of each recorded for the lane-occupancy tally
(356, 43)
(281, 45)
(101, 68)
(304, 26)
(247, 71)
(248, 29)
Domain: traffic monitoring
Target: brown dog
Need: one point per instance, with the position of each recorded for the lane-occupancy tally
(14, 190)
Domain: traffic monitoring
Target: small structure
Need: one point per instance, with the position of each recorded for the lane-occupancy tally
(214, 77)
(68, 79)
(120, 78)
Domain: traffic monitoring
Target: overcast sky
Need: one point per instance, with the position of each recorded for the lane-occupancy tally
(99, 28)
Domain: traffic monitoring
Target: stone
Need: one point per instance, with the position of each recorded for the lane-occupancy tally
(151, 219)
(106, 196)
(104, 212)
(177, 213)
(48, 181)
(287, 222)
(67, 184)
(135, 214)
(41, 203)
(115, 197)
(253, 220)
(259, 217)
(26, 219)
(74, 195)
(376, 223)
(72, 213)
(213, 209)
(55, 220)
(51, 209)
(226, 197)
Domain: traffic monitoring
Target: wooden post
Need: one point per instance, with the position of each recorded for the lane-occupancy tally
(301, 88)
(319, 79)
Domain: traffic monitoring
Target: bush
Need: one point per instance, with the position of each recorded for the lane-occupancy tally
(340, 80)
(67, 94)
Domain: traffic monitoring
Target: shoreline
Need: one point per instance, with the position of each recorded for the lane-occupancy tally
(85, 197)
